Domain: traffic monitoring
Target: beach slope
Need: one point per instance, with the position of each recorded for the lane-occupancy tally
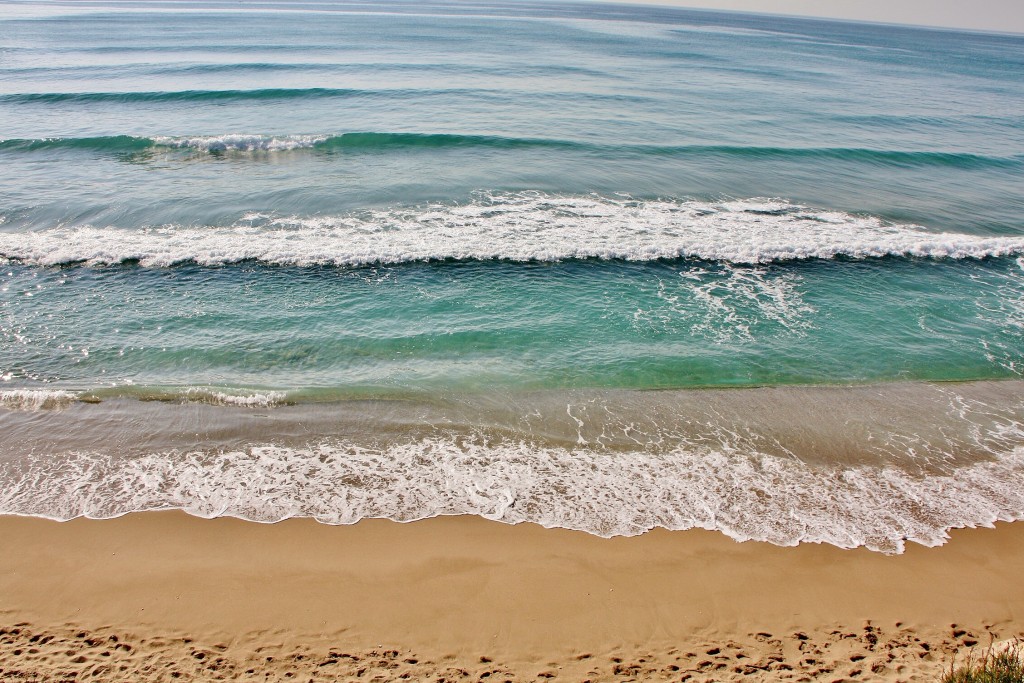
(165, 596)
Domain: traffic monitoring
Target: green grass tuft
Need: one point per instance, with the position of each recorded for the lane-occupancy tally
(1006, 666)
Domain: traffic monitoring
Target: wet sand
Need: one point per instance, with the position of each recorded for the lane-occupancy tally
(165, 596)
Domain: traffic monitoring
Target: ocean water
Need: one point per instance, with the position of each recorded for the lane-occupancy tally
(595, 266)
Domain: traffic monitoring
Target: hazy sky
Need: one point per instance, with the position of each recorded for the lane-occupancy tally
(991, 15)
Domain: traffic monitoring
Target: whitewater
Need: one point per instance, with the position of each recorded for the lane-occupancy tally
(530, 226)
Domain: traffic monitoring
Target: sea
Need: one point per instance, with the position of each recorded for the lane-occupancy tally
(598, 267)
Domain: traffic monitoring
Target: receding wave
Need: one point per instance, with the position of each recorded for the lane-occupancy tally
(370, 141)
(522, 226)
(746, 496)
(870, 466)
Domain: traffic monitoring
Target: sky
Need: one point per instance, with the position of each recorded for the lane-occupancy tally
(988, 15)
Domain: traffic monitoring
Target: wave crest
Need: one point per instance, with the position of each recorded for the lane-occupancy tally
(375, 141)
(36, 399)
(523, 226)
(256, 399)
(241, 143)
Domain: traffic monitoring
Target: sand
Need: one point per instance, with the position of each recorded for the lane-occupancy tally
(168, 597)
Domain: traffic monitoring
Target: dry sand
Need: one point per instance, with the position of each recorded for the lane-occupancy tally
(163, 596)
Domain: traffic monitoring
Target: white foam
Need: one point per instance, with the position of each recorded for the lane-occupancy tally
(746, 496)
(1003, 316)
(518, 227)
(738, 299)
(241, 142)
(35, 399)
(728, 303)
(266, 399)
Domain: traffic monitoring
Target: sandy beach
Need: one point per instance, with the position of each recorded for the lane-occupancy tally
(164, 596)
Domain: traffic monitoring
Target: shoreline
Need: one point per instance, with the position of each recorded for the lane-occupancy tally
(872, 465)
(451, 592)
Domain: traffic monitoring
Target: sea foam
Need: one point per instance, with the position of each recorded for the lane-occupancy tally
(245, 399)
(36, 399)
(872, 466)
(241, 143)
(746, 496)
(524, 226)
(32, 400)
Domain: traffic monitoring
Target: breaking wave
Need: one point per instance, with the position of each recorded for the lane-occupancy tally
(523, 226)
(36, 399)
(746, 496)
(871, 466)
(32, 400)
(244, 398)
(369, 141)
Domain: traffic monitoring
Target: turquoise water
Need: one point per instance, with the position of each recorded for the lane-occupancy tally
(465, 326)
(265, 207)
